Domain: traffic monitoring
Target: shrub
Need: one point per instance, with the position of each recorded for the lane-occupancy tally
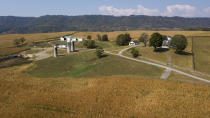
(156, 40)
(89, 44)
(99, 52)
(134, 52)
(99, 37)
(123, 39)
(105, 37)
(144, 39)
(89, 37)
(179, 43)
(16, 42)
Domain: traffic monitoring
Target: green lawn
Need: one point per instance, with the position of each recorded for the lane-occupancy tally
(85, 64)
(182, 60)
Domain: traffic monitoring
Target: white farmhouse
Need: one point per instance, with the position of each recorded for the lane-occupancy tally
(167, 43)
(133, 43)
(70, 39)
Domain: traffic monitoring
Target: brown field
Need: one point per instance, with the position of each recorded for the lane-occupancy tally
(25, 97)
(202, 54)
(6, 40)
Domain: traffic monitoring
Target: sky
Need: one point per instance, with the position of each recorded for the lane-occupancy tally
(183, 8)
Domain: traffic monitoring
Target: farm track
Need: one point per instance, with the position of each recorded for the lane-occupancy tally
(158, 65)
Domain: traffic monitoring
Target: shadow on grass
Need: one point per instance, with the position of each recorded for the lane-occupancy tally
(183, 53)
(104, 55)
(161, 50)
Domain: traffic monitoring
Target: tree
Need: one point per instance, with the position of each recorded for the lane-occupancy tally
(22, 40)
(17, 42)
(99, 37)
(179, 43)
(89, 44)
(156, 40)
(123, 39)
(99, 52)
(144, 39)
(134, 52)
(105, 37)
(89, 37)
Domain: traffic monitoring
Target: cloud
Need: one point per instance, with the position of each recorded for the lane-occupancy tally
(109, 10)
(180, 10)
(145, 11)
(207, 10)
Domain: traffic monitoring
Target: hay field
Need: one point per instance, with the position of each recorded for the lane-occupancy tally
(137, 33)
(7, 39)
(23, 96)
(202, 54)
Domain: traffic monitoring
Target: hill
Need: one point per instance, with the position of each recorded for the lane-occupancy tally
(43, 24)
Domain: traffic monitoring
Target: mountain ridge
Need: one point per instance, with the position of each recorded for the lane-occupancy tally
(60, 23)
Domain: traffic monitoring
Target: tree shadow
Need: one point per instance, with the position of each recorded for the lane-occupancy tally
(104, 55)
(183, 53)
(76, 50)
(161, 50)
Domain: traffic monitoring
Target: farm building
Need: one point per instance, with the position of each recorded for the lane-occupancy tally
(167, 43)
(69, 38)
(133, 43)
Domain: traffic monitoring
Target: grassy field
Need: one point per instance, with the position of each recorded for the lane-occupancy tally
(85, 64)
(202, 54)
(23, 96)
(183, 60)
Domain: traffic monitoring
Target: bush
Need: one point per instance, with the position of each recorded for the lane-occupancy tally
(18, 42)
(99, 37)
(123, 39)
(156, 40)
(144, 39)
(99, 52)
(89, 37)
(89, 44)
(179, 43)
(105, 37)
(134, 52)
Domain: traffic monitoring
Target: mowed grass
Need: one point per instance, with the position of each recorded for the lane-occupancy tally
(163, 57)
(85, 64)
(202, 54)
(23, 96)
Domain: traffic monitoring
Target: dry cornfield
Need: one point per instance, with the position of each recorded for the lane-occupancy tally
(23, 96)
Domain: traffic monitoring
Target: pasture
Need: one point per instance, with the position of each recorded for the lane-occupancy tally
(86, 65)
(202, 54)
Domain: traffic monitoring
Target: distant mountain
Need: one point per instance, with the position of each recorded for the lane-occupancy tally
(11, 24)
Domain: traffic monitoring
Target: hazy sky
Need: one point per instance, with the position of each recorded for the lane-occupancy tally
(186, 8)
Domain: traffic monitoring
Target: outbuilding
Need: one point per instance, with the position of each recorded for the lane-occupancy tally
(69, 39)
(167, 42)
(133, 43)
